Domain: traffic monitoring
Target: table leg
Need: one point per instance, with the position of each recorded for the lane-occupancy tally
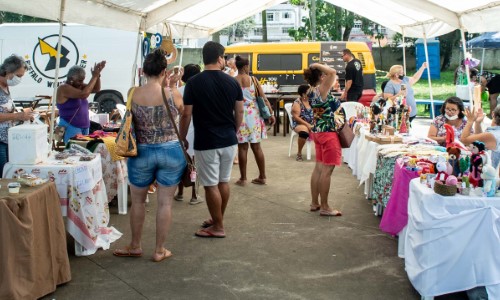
(122, 197)
(277, 117)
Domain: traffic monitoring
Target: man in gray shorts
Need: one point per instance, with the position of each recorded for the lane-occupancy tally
(215, 101)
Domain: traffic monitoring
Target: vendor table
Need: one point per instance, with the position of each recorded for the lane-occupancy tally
(33, 249)
(83, 199)
(452, 243)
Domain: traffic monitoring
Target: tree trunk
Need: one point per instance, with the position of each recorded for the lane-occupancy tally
(264, 26)
(216, 37)
(313, 19)
(338, 23)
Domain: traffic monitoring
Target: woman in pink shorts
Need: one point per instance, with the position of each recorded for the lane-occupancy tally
(328, 150)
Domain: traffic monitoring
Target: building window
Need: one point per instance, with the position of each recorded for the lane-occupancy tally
(284, 30)
(287, 15)
(270, 17)
(357, 24)
(257, 31)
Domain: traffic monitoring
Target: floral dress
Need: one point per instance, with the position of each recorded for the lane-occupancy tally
(439, 122)
(306, 114)
(6, 106)
(252, 128)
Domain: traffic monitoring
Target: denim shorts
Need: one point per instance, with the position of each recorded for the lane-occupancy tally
(71, 130)
(164, 162)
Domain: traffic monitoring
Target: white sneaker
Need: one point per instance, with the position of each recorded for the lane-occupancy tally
(194, 201)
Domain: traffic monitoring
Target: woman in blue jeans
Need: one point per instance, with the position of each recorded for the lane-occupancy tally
(11, 72)
(160, 156)
(72, 99)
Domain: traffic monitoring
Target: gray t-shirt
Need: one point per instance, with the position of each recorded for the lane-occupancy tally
(394, 88)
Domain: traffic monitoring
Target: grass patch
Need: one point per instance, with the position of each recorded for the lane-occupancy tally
(442, 89)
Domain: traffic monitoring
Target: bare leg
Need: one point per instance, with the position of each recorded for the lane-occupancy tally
(214, 204)
(242, 158)
(260, 159)
(137, 214)
(301, 141)
(315, 187)
(224, 193)
(163, 215)
(324, 185)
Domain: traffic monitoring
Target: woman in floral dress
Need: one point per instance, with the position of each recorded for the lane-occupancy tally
(253, 128)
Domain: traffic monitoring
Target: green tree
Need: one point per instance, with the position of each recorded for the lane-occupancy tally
(333, 23)
(238, 29)
(8, 17)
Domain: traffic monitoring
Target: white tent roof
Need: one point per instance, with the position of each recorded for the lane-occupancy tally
(203, 17)
(434, 17)
(196, 18)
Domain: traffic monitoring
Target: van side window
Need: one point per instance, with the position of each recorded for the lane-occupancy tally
(274, 62)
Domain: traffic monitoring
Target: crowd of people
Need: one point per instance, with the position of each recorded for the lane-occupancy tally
(219, 119)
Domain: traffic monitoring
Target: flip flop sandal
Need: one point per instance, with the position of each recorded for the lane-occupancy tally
(299, 157)
(166, 254)
(128, 252)
(259, 181)
(208, 234)
(330, 213)
(315, 207)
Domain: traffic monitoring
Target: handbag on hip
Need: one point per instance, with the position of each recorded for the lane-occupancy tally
(189, 175)
(346, 135)
(261, 103)
(125, 140)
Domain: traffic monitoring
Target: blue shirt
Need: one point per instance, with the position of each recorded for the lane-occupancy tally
(394, 88)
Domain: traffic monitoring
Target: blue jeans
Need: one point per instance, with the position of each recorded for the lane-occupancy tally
(164, 162)
(4, 156)
(71, 130)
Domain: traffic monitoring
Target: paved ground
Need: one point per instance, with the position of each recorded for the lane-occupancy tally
(275, 248)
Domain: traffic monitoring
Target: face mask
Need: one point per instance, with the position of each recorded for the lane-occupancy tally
(451, 118)
(14, 81)
(401, 77)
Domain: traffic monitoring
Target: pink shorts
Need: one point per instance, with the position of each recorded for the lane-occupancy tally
(328, 149)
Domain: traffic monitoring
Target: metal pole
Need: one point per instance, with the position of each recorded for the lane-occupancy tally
(467, 71)
(182, 46)
(56, 76)
(134, 67)
(428, 73)
(404, 50)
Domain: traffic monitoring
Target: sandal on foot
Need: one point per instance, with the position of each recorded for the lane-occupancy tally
(207, 233)
(157, 257)
(299, 157)
(330, 213)
(259, 181)
(314, 207)
(207, 223)
(241, 182)
(128, 252)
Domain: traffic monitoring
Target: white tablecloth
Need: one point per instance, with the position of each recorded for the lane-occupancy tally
(452, 243)
(83, 198)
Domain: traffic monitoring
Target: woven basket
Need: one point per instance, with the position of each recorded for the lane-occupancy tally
(444, 190)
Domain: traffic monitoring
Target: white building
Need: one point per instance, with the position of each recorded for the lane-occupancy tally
(280, 19)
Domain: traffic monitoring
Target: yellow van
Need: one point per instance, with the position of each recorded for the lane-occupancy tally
(283, 64)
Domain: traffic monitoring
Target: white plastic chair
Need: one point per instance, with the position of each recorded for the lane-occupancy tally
(350, 108)
(293, 134)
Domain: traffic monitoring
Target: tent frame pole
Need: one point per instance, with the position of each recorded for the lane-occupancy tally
(404, 49)
(56, 75)
(428, 72)
(467, 70)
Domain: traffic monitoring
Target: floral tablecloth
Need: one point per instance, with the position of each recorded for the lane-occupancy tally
(83, 198)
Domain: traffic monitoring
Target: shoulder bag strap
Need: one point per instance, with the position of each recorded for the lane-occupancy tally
(188, 158)
(129, 98)
(256, 86)
(78, 109)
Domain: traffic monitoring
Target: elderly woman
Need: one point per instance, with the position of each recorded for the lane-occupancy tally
(326, 141)
(452, 113)
(11, 72)
(302, 114)
(72, 99)
(253, 129)
(400, 85)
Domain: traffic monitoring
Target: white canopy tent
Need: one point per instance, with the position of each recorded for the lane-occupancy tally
(197, 18)
(428, 18)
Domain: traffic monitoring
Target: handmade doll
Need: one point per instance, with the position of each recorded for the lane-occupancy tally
(476, 164)
(453, 157)
(489, 178)
(442, 168)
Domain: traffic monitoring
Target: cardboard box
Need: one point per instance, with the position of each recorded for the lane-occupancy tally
(385, 139)
(388, 130)
(28, 144)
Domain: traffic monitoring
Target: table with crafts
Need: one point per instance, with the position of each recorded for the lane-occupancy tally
(82, 195)
(34, 256)
(452, 242)
(114, 168)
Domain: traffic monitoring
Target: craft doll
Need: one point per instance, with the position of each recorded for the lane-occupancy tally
(453, 157)
(489, 179)
(476, 164)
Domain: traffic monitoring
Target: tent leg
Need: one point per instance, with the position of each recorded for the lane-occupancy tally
(404, 50)
(467, 71)
(428, 73)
